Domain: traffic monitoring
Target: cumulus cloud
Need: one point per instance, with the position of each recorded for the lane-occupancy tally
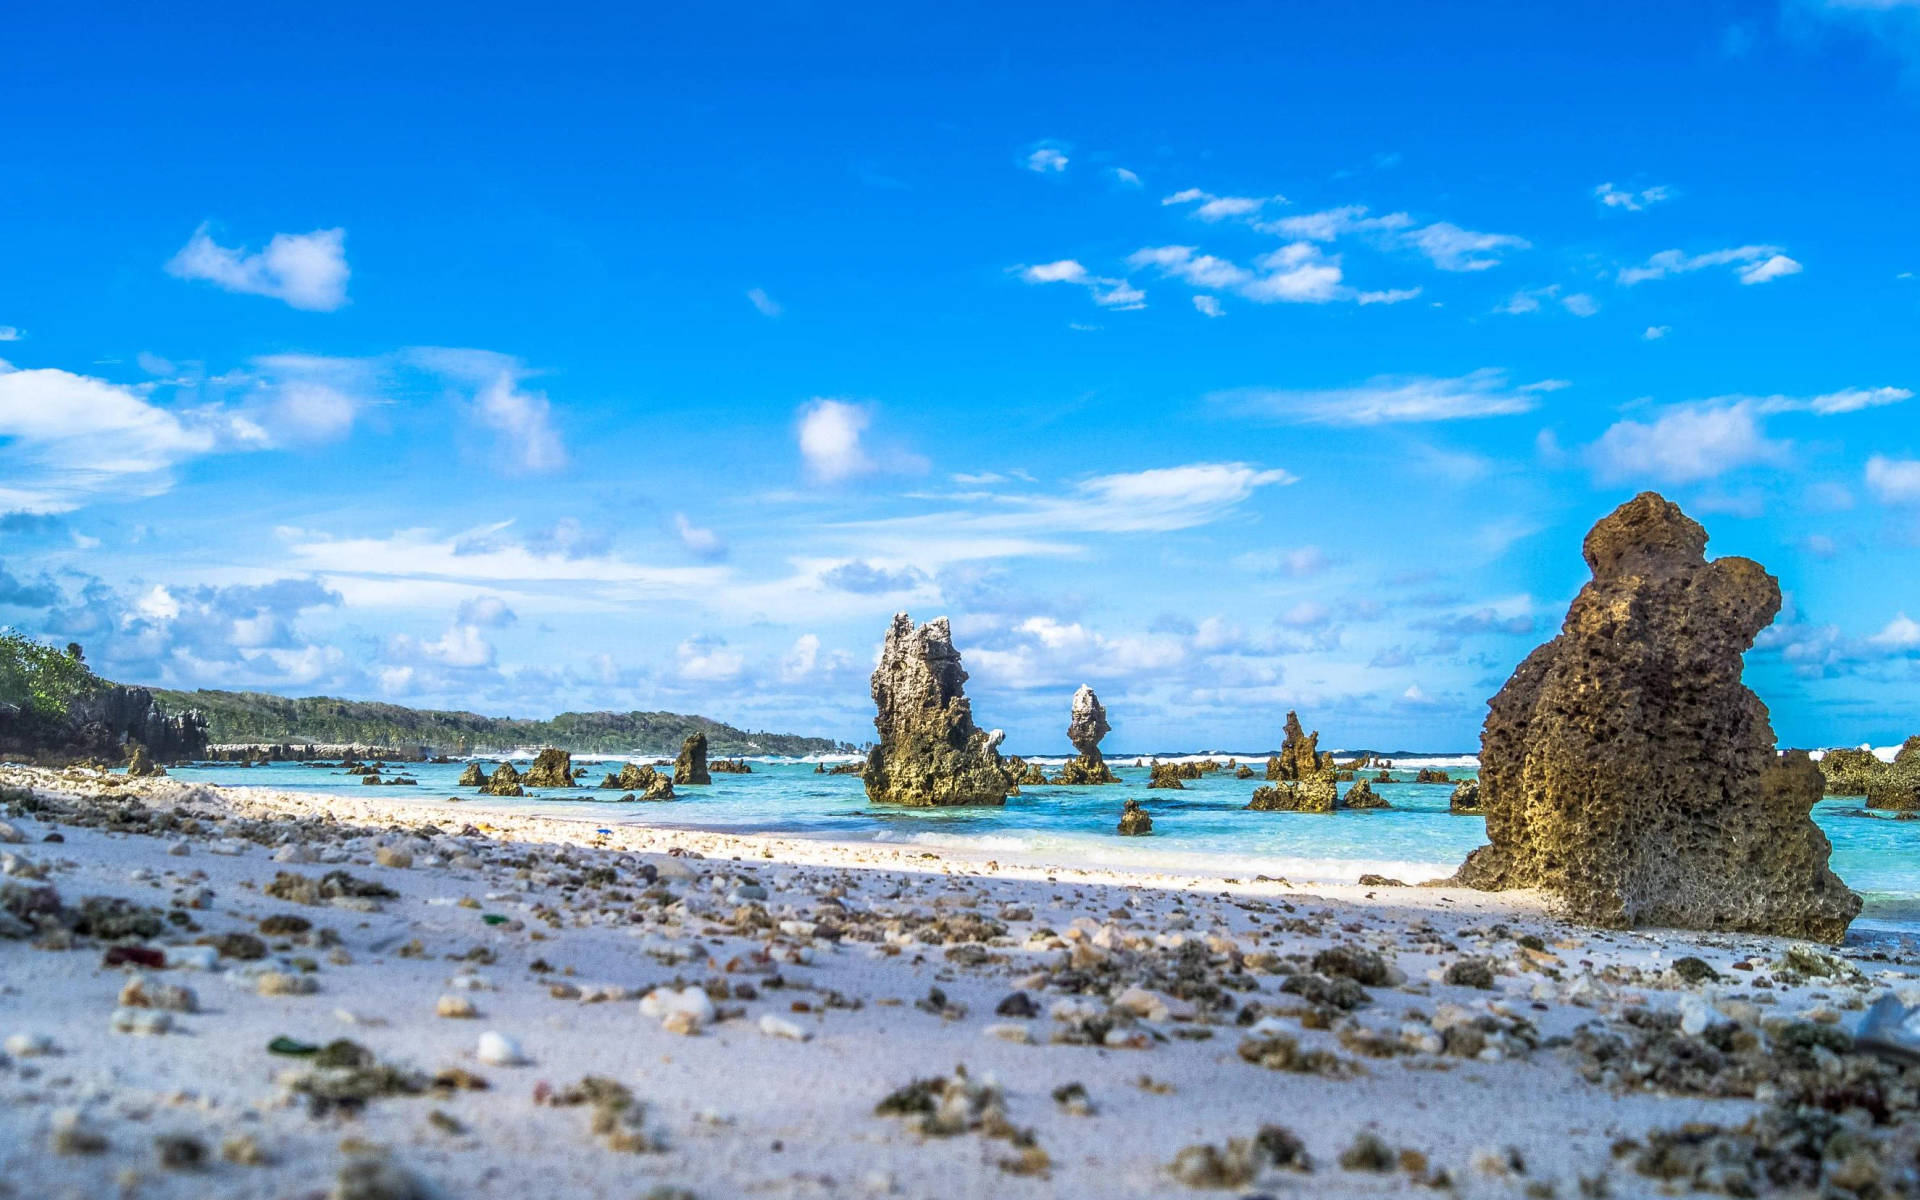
(1124, 177)
(830, 433)
(1901, 633)
(1390, 399)
(487, 612)
(1209, 306)
(801, 658)
(1655, 332)
(11, 333)
(1687, 444)
(1631, 201)
(1752, 264)
(705, 658)
(305, 270)
(68, 439)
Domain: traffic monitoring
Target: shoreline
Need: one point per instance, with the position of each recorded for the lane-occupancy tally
(830, 975)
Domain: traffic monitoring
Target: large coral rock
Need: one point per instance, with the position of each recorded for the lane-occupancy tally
(1317, 793)
(1627, 771)
(1299, 755)
(551, 769)
(472, 776)
(1085, 728)
(505, 781)
(691, 767)
(930, 753)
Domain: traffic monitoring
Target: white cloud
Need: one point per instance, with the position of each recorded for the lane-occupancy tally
(1157, 500)
(830, 432)
(1777, 267)
(66, 439)
(701, 543)
(1391, 399)
(1530, 300)
(1209, 306)
(768, 306)
(524, 421)
(1334, 223)
(1297, 273)
(1219, 208)
(1754, 264)
(1614, 197)
(1854, 399)
(1655, 332)
(1047, 161)
(1124, 177)
(801, 659)
(1688, 444)
(1894, 480)
(1108, 293)
(1901, 633)
(11, 333)
(707, 659)
(306, 270)
(488, 611)
(1452, 248)
(461, 647)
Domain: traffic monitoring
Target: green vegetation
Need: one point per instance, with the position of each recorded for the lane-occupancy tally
(257, 717)
(38, 679)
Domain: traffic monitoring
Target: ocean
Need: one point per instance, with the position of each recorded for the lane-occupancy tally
(1205, 828)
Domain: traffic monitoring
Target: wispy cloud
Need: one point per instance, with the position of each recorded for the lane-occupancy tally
(1297, 273)
(1702, 440)
(1389, 399)
(1631, 201)
(1334, 223)
(306, 270)
(1106, 292)
(1531, 300)
(11, 333)
(526, 439)
(834, 448)
(768, 306)
(1209, 207)
(1452, 248)
(1753, 264)
(1894, 480)
(1047, 160)
(67, 439)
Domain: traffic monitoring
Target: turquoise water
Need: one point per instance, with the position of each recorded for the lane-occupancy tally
(1204, 828)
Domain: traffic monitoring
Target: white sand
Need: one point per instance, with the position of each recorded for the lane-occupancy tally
(740, 1113)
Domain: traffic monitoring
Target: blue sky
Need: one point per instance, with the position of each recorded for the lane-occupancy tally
(1232, 359)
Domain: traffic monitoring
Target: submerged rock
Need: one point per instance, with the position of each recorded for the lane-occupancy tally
(691, 767)
(729, 766)
(551, 769)
(1627, 770)
(1169, 775)
(1431, 775)
(1134, 821)
(930, 753)
(1085, 728)
(504, 782)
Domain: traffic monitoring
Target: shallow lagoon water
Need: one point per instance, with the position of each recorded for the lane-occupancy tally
(1204, 828)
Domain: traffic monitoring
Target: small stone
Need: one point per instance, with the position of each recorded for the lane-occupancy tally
(280, 983)
(28, 1045)
(244, 1150)
(10, 833)
(70, 1136)
(1471, 972)
(180, 1151)
(392, 856)
(689, 1009)
(294, 853)
(458, 1007)
(1010, 1031)
(375, 1179)
(180, 849)
(139, 992)
(780, 1027)
(499, 1050)
(145, 1022)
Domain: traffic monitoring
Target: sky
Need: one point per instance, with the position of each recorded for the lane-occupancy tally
(1230, 358)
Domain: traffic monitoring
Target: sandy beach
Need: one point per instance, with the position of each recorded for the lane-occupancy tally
(697, 1014)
